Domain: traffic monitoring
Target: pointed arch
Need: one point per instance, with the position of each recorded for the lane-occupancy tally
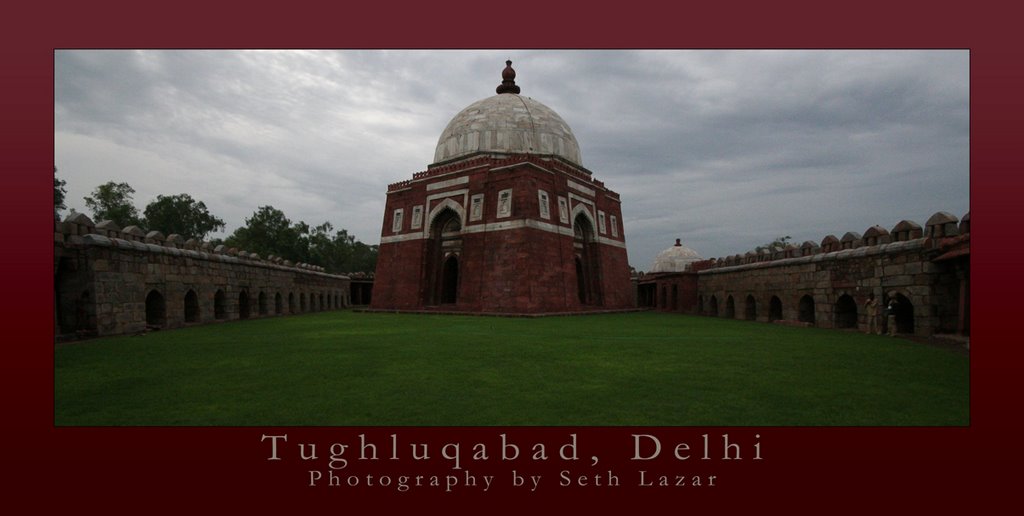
(191, 306)
(243, 304)
(220, 302)
(581, 283)
(156, 309)
(450, 280)
(441, 256)
(774, 309)
(806, 309)
(903, 315)
(447, 203)
(588, 261)
(750, 308)
(845, 312)
(581, 208)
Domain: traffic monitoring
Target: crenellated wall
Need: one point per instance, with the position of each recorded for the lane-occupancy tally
(828, 284)
(110, 281)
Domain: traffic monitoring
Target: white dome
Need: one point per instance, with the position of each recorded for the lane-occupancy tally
(507, 123)
(675, 259)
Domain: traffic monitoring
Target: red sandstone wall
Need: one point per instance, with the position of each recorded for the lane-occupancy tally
(615, 285)
(401, 263)
(512, 270)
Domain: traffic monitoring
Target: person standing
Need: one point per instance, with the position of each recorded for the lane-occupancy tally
(871, 308)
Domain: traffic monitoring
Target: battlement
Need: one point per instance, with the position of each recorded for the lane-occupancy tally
(941, 230)
(110, 280)
(78, 230)
(829, 284)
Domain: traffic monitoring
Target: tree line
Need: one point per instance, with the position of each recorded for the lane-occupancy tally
(267, 232)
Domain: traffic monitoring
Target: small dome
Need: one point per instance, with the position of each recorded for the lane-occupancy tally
(507, 123)
(675, 259)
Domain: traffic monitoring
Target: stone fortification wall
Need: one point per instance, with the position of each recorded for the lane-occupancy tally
(109, 281)
(927, 271)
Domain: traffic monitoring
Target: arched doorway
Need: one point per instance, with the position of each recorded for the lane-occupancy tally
(904, 314)
(450, 280)
(262, 303)
(443, 250)
(156, 310)
(700, 304)
(582, 283)
(713, 307)
(302, 302)
(675, 297)
(587, 270)
(219, 302)
(85, 308)
(846, 312)
(730, 308)
(806, 309)
(278, 303)
(775, 309)
(291, 302)
(243, 305)
(750, 310)
(191, 306)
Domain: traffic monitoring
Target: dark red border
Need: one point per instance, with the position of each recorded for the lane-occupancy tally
(833, 470)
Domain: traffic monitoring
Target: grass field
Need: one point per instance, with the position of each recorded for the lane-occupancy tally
(647, 369)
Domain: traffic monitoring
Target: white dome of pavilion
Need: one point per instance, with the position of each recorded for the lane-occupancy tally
(507, 123)
(675, 259)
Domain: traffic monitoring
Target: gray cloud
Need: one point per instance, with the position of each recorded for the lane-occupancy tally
(724, 149)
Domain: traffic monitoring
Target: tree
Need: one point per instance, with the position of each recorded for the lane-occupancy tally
(780, 242)
(364, 258)
(182, 215)
(58, 192)
(268, 232)
(113, 201)
(322, 248)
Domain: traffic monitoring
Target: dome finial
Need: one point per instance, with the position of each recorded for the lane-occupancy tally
(508, 80)
(678, 243)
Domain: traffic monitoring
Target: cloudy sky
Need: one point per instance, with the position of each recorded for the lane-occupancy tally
(724, 149)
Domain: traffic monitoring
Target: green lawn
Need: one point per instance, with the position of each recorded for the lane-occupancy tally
(647, 369)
